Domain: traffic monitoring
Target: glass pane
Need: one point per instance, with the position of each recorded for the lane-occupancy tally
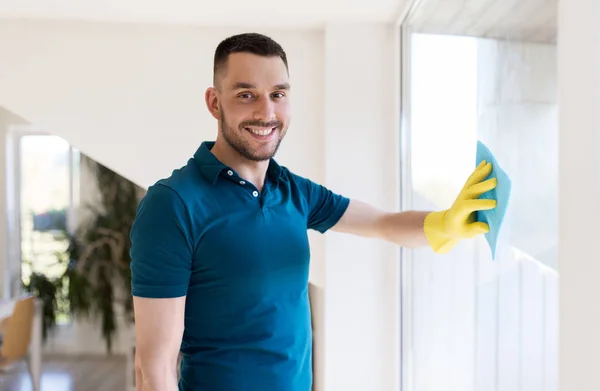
(477, 323)
(45, 198)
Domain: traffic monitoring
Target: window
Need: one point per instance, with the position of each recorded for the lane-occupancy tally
(475, 323)
(47, 171)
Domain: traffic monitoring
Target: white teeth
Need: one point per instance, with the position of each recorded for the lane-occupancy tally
(261, 132)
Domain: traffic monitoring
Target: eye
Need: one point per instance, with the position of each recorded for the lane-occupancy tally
(278, 95)
(245, 95)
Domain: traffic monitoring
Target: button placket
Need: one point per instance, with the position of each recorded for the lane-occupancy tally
(231, 174)
(241, 182)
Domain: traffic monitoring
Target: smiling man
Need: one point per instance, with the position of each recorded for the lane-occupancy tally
(220, 252)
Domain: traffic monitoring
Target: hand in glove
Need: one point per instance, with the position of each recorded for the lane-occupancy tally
(444, 229)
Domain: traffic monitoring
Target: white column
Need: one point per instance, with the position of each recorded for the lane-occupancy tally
(10, 263)
(362, 293)
(579, 193)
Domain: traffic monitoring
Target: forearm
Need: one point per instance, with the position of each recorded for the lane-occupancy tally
(404, 228)
(156, 384)
(164, 379)
(158, 334)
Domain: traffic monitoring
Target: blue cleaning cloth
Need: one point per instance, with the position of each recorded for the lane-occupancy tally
(501, 194)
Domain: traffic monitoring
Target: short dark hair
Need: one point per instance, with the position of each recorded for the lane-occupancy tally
(254, 43)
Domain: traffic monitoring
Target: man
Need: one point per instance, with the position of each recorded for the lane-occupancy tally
(220, 254)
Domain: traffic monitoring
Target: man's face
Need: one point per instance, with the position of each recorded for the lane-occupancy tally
(253, 103)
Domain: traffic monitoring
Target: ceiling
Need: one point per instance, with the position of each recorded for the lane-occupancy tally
(264, 13)
(526, 20)
(519, 20)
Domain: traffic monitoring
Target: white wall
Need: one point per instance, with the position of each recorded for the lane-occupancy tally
(131, 97)
(579, 168)
(361, 159)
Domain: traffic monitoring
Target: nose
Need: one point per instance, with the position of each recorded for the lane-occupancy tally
(264, 110)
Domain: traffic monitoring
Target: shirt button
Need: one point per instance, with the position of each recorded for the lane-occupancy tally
(242, 183)
(229, 172)
(255, 193)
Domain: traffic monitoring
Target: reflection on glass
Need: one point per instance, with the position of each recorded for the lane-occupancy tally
(479, 324)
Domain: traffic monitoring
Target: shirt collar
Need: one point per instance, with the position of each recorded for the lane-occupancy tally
(211, 167)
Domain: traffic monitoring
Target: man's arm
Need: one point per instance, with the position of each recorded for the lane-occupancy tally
(158, 333)
(162, 242)
(329, 210)
(404, 228)
(440, 229)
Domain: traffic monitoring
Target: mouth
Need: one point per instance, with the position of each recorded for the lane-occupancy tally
(261, 133)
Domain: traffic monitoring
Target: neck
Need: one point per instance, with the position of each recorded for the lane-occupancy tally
(251, 171)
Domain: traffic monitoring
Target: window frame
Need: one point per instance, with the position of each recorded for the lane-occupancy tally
(404, 32)
(406, 189)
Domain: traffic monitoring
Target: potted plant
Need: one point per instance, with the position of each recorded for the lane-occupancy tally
(97, 278)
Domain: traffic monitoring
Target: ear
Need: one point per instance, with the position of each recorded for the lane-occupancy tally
(212, 102)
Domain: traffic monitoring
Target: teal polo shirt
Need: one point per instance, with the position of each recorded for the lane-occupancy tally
(242, 259)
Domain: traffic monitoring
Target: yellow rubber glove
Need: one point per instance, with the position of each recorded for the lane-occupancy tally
(444, 229)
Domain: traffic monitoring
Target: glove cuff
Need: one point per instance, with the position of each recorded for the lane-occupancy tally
(439, 240)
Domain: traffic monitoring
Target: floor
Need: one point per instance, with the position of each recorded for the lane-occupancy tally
(70, 374)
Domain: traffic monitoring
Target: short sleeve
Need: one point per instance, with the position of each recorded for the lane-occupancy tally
(325, 208)
(161, 245)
